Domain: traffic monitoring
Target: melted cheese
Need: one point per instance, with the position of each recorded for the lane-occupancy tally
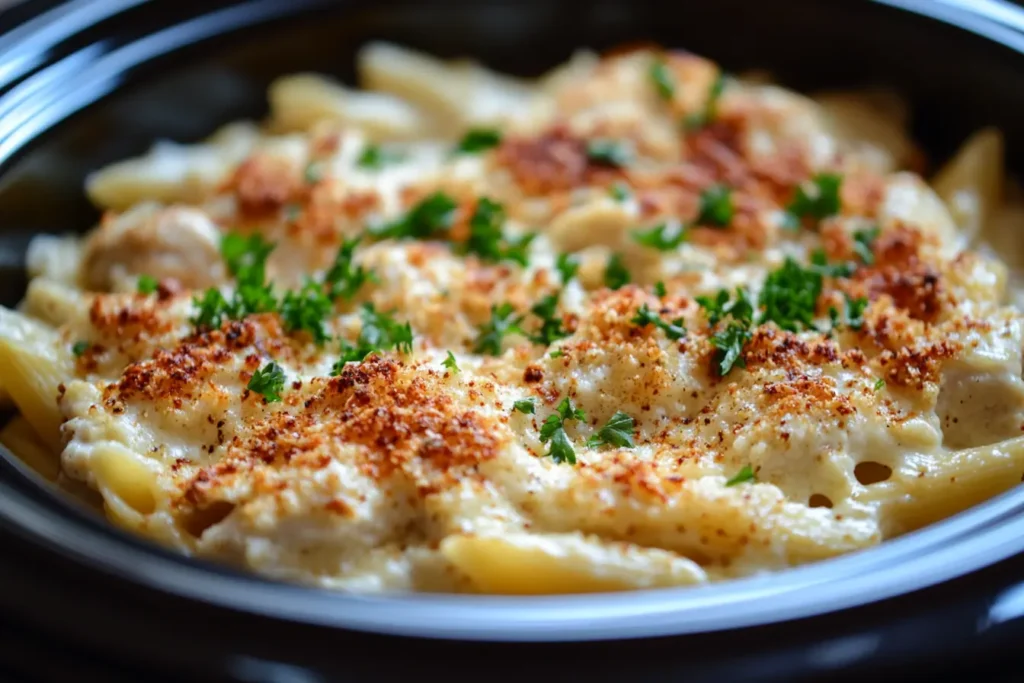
(399, 474)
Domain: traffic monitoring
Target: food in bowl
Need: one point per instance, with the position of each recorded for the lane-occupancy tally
(634, 323)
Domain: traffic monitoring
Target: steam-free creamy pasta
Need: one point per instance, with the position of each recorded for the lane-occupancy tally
(635, 323)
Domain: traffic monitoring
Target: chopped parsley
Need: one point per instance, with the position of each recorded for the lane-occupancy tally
(743, 476)
(343, 279)
(659, 289)
(716, 206)
(664, 237)
(380, 332)
(820, 265)
(645, 316)
(816, 199)
(486, 239)
(213, 309)
(618, 432)
(664, 82)
(709, 112)
(525, 406)
(552, 432)
(504, 321)
(268, 381)
(790, 295)
(721, 306)
(147, 284)
(879, 384)
(863, 240)
(729, 343)
(246, 257)
(615, 273)
(374, 157)
(306, 310)
(431, 215)
(551, 329)
(451, 363)
(567, 266)
(851, 315)
(557, 353)
(619, 191)
(79, 347)
(605, 152)
(478, 140)
(313, 173)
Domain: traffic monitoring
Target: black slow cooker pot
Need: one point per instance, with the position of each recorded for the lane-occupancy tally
(88, 82)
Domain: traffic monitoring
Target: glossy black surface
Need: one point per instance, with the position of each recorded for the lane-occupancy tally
(96, 81)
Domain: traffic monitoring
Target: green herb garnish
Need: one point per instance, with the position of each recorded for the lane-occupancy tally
(567, 266)
(487, 240)
(374, 157)
(709, 112)
(306, 310)
(618, 432)
(615, 273)
(722, 306)
(744, 475)
(557, 353)
(313, 173)
(606, 152)
(659, 289)
(478, 140)
(729, 344)
(380, 332)
(553, 433)
(663, 80)
(431, 215)
(851, 315)
(551, 329)
(619, 191)
(344, 279)
(879, 384)
(716, 206)
(451, 363)
(268, 381)
(816, 199)
(504, 321)
(645, 316)
(147, 284)
(525, 406)
(213, 309)
(80, 347)
(664, 237)
(863, 241)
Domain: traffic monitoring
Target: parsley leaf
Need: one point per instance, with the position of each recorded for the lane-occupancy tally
(451, 363)
(729, 343)
(699, 119)
(664, 237)
(720, 307)
(618, 432)
(478, 140)
(147, 284)
(605, 152)
(486, 239)
(553, 432)
(246, 257)
(659, 289)
(619, 191)
(853, 312)
(645, 316)
(716, 206)
(663, 80)
(525, 406)
(268, 381)
(551, 329)
(313, 173)
(744, 475)
(380, 332)
(557, 353)
(306, 310)
(431, 215)
(343, 279)
(879, 384)
(790, 296)
(375, 157)
(213, 309)
(567, 266)
(863, 240)
(504, 321)
(817, 199)
(615, 273)
(820, 265)
(80, 347)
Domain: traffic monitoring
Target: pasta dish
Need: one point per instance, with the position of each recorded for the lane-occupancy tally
(634, 323)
